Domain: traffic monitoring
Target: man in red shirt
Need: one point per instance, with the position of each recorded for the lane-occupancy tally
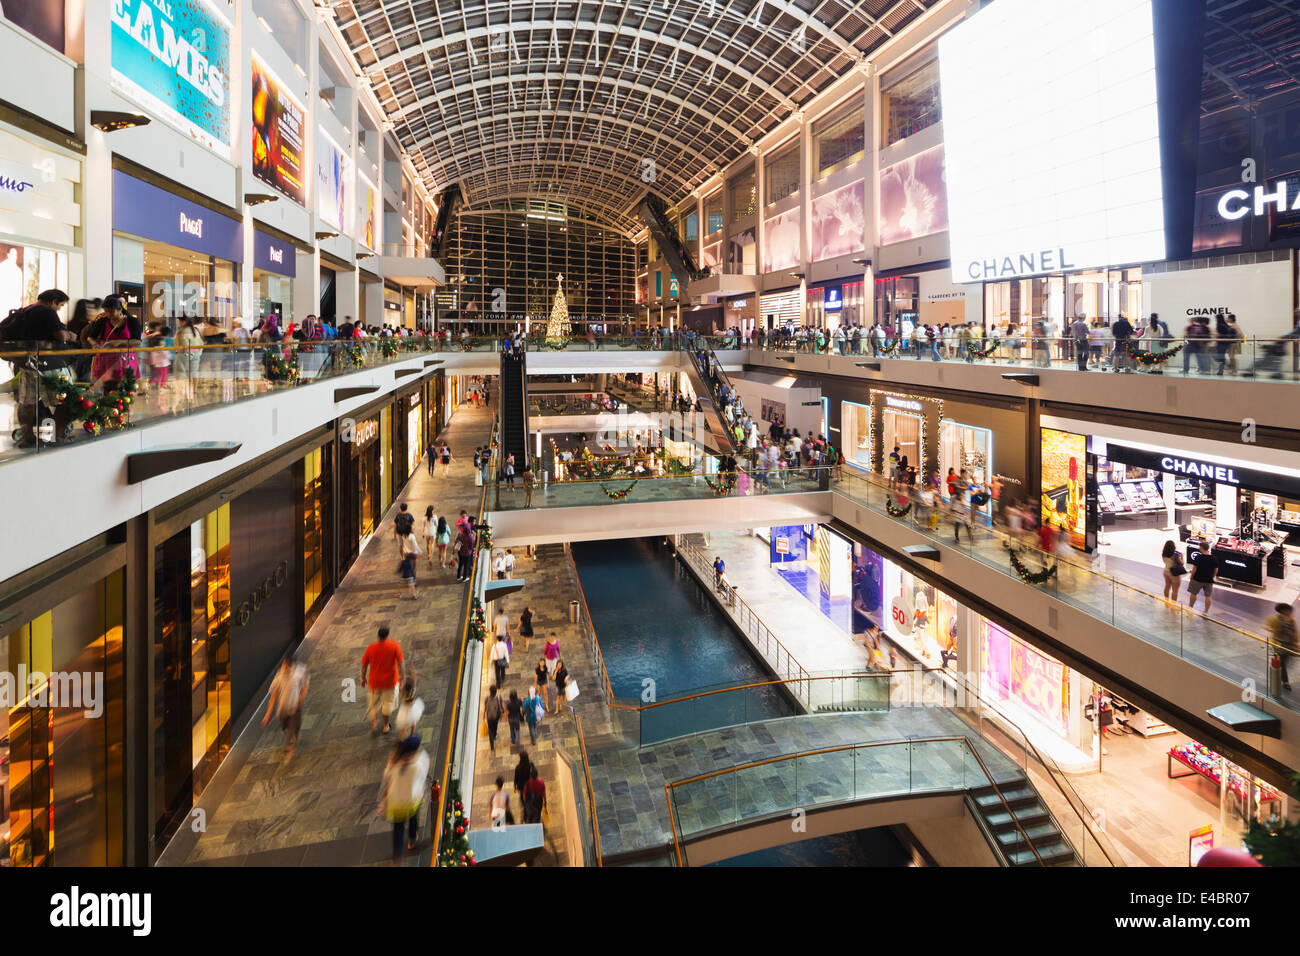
(383, 658)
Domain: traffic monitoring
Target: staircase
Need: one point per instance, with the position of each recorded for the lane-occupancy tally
(1034, 819)
(514, 410)
(547, 551)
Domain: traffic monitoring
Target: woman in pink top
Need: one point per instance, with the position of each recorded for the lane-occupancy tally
(552, 653)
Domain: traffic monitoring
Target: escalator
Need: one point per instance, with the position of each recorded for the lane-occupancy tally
(514, 409)
(707, 388)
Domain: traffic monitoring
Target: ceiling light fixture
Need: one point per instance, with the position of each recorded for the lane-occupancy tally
(326, 235)
(110, 121)
(256, 199)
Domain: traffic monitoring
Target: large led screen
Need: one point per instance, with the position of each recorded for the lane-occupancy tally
(913, 200)
(173, 58)
(277, 135)
(837, 222)
(1053, 153)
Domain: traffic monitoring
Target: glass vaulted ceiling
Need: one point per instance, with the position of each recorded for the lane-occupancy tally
(570, 100)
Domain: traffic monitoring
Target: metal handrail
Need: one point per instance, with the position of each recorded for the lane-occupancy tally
(693, 552)
(445, 777)
(590, 632)
(591, 790)
(668, 786)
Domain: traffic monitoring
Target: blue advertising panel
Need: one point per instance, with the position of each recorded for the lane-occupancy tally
(868, 587)
(173, 58)
(789, 543)
(152, 213)
(274, 255)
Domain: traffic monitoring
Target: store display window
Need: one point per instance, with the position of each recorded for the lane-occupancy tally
(969, 447)
(906, 430)
(27, 271)
(1014, 673)
(855, 434)
(172, 283)
(910, 105)
(713, 219)
(921, 618)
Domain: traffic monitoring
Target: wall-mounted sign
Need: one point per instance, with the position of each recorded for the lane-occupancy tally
(833, 302)
(277, 135)
(368, 229)
(253, 603)
(1217, 472)
(144, 210)
(365, 432)
(1238, 203)
(903, 404)
(274, 255)
(173, 58)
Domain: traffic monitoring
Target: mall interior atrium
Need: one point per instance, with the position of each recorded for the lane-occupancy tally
(796, 433)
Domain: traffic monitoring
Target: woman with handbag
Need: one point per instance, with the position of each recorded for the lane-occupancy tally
(114, 330)
(1173, 570)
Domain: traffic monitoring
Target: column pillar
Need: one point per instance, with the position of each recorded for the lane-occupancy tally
(306, 287)
(347, 287)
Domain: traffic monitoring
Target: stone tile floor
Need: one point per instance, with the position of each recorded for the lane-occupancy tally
(320, 806)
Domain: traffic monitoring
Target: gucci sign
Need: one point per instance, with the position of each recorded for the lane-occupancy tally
(253, 603)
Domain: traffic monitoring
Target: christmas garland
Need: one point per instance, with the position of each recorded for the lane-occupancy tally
(455, 847)
(891, 349)
(618, 495)
(111, 410)
(388, 347)
(983, 353)
(557, 344)
(724, 487)
(675, 467)
(1031, 577)
(644, 344)
(477, 622)
(280, 369)
(413, 343)
(484, 532)
(894, 511)
(352, 354)
(1148, 359)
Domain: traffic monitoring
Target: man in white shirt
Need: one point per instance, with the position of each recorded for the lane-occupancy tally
(499, 565)
(510, 562)
(288, 691)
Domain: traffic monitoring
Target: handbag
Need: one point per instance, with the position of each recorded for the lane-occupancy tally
(1179, 568)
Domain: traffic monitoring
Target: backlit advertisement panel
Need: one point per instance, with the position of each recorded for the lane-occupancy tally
(913, 198)
(333, 183)
(277, 135)
(1053, 155)
(173, 58)
(367, 213)
(1064, 476)
(781, 241)
(837, 220)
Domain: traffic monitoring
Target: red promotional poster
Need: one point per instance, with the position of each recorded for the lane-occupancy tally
(277, 135)
(1038, 684)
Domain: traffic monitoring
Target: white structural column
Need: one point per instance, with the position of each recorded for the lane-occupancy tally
(306, 286)
(347, 287)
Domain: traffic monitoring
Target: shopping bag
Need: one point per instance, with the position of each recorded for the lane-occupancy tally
(478, 479)
(571, 690)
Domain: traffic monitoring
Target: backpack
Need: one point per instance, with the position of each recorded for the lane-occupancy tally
(492, 709)
(404, 522)
(14, 326)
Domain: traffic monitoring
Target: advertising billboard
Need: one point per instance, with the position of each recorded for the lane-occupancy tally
(277, 135)
(1053, 155)
(837, 220)
(781, 241)
(913, 198)
(173, 58)
(1064, 467)
(333, 183)
(367, 223)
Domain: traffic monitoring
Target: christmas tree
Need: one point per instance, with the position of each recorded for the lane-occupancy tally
(455, 845)
(557, 327)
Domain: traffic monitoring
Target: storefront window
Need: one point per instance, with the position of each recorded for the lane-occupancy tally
(169, 282)
(691, 226)
(713, 213)
(744, 196)
(61, 741)
(966, 447)
(906, 430)
(855, 434)
(782, 173)
(742, 258)
(920, 617)
(273, 295)
(897, 303)
(26, 272)
(839, 141)
(316, 503)
(1030, 683)
(910, 105)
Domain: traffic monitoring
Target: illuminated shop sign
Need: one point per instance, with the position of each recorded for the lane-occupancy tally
(1238, 203)
(1238, 475)
(904, 404)
(365, 432)
(833, 302)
